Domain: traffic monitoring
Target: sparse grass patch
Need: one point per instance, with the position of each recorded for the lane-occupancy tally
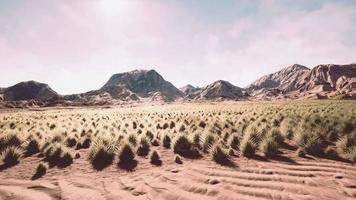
(11, 155)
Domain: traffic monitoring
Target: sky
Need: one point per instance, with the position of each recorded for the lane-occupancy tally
(76, 45)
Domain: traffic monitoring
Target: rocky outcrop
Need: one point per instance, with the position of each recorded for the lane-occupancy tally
(143, 83)
(296, 81)
(285, 80)
(220, 90)
(29, 90)
(189, 89)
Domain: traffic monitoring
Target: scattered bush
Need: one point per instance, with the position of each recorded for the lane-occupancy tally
(126, 156)
(144, 146)
(220, 155)
(269, 147)
(234, 141)
(101, 153)
(155, 158)
(41, 170)
(208, 141)
(183, 146)
(155, 143)
(132, 139)
(31, 146)
(247, 148)
(11, 155)
(9, 140)
(166, 141)
(178, 159)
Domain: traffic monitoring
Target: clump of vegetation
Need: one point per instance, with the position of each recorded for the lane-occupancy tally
(196, 140)
(166, 141)
(208, 141)
(220, 155)
(11, 155)
(143, 147)
(269, 147)
(155, 143)
(11, 139)
(183, 146)
(58, 154)
(101, 153)
(132, 139)
(41, 170)
(178, 159)
(346, 146)
(31, 146)
(126, 156)
(155, 158)
(234, 141)
(310, 142)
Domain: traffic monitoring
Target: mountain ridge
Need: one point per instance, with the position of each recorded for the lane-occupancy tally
(292, 82)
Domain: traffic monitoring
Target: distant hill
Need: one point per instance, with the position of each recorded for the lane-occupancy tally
(293, 82)
(188, 89)
(296, 81)
(144, 83)
(220, 90)
(284, 79)
(29, 90)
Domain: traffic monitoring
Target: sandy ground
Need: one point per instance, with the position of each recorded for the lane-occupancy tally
(286, 177)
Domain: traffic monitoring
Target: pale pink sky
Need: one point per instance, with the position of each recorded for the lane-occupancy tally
(76, 45)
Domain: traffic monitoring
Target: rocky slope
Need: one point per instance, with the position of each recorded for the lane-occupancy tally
(141, 84)
(138, 86)
(296, 81)
(219, 90)
(188, 89)
(284, 80)
(29, 90)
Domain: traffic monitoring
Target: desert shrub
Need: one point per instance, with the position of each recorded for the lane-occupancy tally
(57, 138)
(231, 151)
(77, 155)
(196, 140)
(234, 141)
(202, 124)
(346, 146)
(86, 143)
(101, 153)
(132, 139)
(126, 156)
(208, 141)
(155, 142)
(143, 147)
(247, 148)
(166, 141)
(301, 152)
(31, 146)
(182, 146)
(275, 135)
(41, 170)
(11, 155)
(269, 147)
(351, 154)
(330, 152)
(220, 155)
(71, 141)
(9, 140)
(58, 154)
(311, 142)
(178, 159)
(149, 135)
(225, 136)
(172, 125)
(155, 158)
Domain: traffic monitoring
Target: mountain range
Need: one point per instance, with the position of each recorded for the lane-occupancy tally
(293, 82)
